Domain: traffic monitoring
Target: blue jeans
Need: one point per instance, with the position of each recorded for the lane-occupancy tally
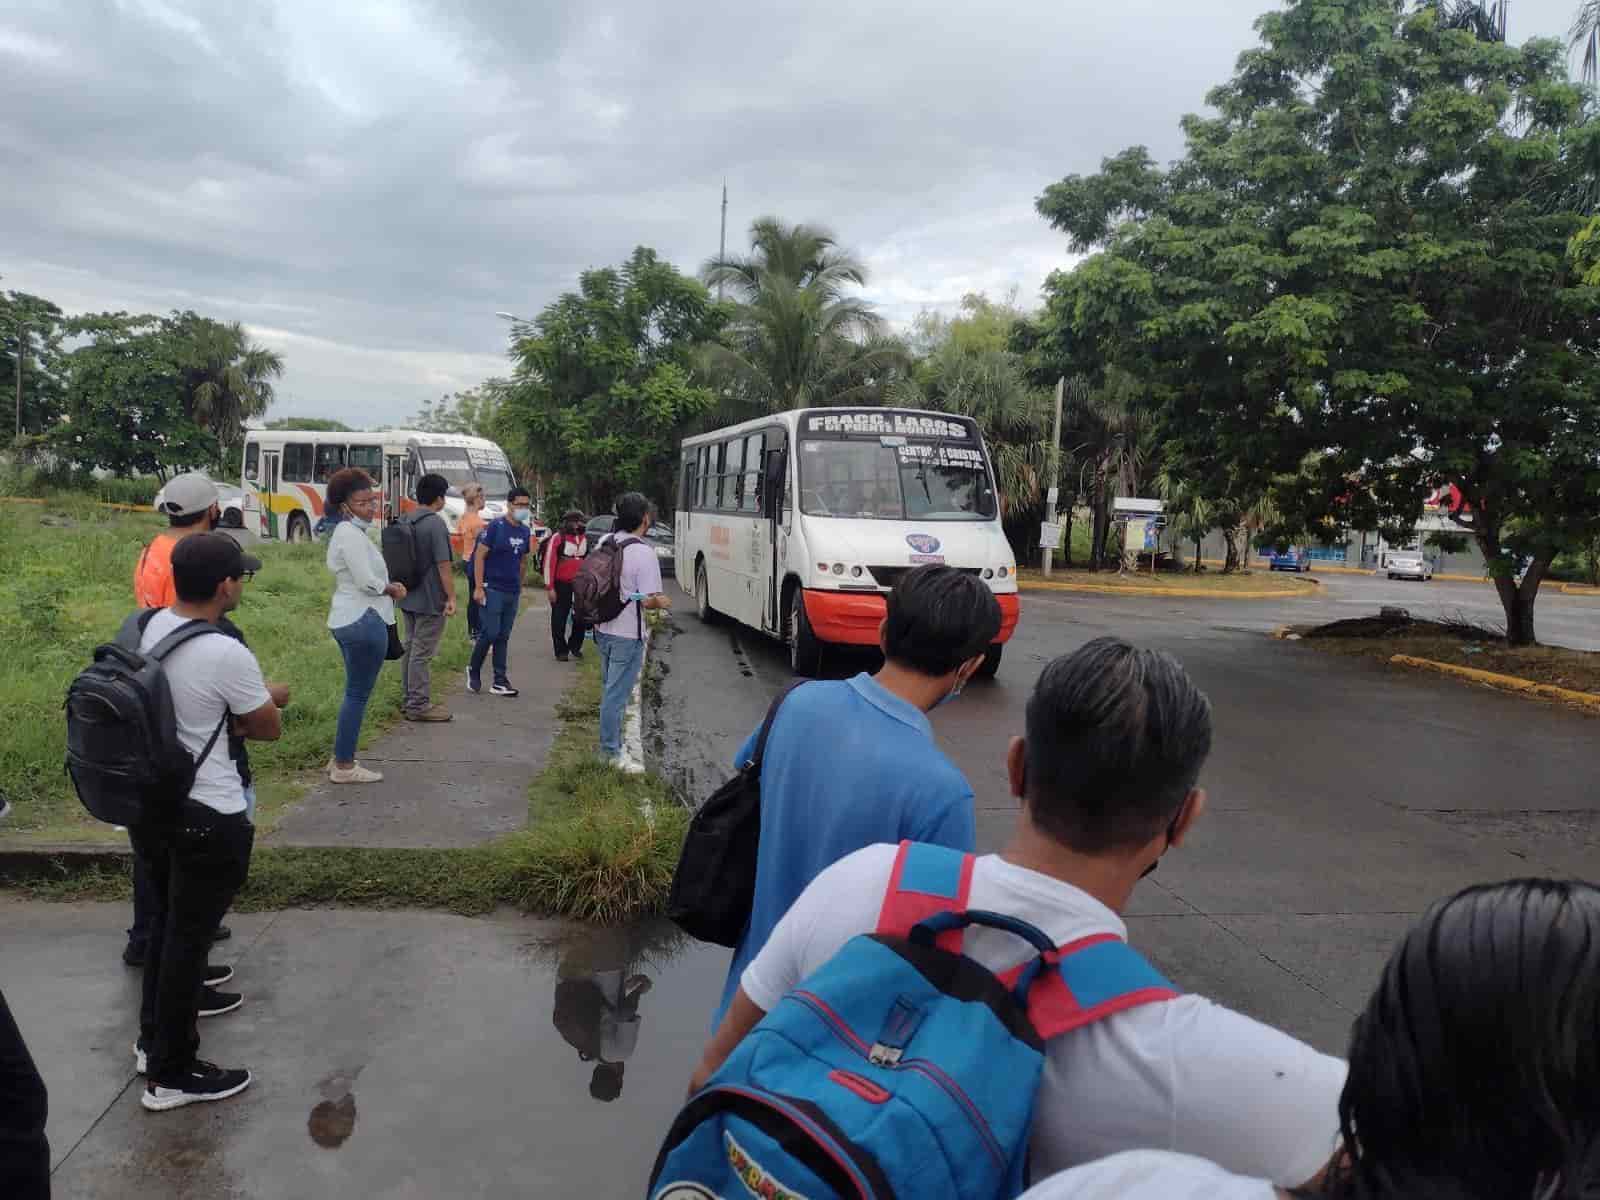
(494, 632)
(621, 659)
(363, 643)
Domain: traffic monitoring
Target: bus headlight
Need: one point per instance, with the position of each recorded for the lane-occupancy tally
(856, 571)
(988, 572)
(1004, 571)
(838, 568)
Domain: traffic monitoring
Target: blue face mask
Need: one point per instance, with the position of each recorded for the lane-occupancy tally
(522, 514)
(949, 696)
(361, 523)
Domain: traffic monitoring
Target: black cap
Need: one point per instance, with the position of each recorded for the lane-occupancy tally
(203, 560)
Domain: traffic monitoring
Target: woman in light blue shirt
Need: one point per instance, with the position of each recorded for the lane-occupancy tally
(361, 613)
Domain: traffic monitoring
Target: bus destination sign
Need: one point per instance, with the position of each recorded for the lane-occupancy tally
(879, 423)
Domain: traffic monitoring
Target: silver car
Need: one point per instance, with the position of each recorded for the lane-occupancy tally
(1409, 564)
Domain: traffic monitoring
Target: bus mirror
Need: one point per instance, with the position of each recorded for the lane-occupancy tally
(772, 497)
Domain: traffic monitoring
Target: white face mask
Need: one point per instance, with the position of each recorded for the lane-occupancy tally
(361, 523)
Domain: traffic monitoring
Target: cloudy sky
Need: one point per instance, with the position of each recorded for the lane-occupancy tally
(365, 182)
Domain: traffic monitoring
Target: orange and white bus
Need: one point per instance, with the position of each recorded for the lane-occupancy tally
(286, 471)
(800, 523)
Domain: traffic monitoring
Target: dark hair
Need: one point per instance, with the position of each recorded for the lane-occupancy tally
(519, 490)
(342, 484)
(939, 618)
(632, 508)
(188, 521)
(605, 1084)
(1473, 1066)
(571, 515)
(1116, 740)
(430, 487)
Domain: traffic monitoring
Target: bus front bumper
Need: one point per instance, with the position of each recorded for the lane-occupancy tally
(853, 618)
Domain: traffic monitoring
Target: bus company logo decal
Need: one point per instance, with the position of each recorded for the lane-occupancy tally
(871, 424)
(756, 1179)
(923, 543)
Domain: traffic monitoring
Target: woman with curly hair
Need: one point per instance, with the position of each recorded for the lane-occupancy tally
(1474, 1070)
(361, 613)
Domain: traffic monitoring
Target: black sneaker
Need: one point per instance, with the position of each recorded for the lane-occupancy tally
(216, 973)
(503, 689)
(222, 934)
(561, 658)
(133, 954)
(214, 1003)
(577, 654)
(201, 1082)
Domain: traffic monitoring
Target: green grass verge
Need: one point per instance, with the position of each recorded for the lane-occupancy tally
(66, 587)
(601, 846)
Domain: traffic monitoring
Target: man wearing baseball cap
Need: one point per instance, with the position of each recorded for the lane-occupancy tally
(191, 505)
(196, 863)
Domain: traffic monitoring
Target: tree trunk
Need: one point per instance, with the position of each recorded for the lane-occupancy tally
(1516, 600)
(1230, 537)
(1197, 555)
(1065, 517)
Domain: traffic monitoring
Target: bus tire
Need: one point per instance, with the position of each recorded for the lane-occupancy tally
(991, 661)
(702, 595)
(805, 650)
(299, 528)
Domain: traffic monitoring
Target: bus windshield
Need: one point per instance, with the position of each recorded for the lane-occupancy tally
(497, 482)
(895, 479)
(462, 467)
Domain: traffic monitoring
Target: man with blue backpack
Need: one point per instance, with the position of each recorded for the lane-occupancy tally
(927, 1023)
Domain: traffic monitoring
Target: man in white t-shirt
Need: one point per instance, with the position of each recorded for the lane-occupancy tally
(1107, 776)
(197, 861)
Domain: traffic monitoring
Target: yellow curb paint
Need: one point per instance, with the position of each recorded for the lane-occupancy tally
(1579, 589)
(1509, 683)
(1028, 585)
(143, 508)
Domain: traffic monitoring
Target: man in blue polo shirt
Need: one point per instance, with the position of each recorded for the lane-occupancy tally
(498, 564)
(852, 762)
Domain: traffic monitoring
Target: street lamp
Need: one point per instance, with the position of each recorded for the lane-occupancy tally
(505, 316)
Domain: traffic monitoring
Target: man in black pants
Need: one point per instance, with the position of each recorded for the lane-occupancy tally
(197, 859)
(24, 1150)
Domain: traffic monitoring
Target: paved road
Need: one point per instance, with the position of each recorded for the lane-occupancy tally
(1344, 796)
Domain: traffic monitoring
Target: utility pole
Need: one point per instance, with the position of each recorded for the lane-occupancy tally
(722, 240)
(1054, 491)
(21, 350)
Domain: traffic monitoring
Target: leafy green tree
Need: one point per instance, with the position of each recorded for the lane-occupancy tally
(474, 411)
(226, 378)
(798, 335)
(603, 386)
(125, 399)
(309, 425)
(33, 326)
(1363, 255)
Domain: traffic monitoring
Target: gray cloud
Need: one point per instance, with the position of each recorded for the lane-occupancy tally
(364, 182)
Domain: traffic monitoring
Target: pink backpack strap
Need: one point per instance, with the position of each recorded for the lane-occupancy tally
(926, 880)
(1087, 980)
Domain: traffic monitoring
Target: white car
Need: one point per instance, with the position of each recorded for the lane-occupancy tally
(231, 499)
(1409, 564)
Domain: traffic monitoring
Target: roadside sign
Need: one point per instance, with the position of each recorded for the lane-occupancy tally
(1052, 496)
(1049, 536)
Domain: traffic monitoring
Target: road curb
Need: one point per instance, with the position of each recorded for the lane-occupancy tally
(47, 860)
(1201, 593)
(1508, 683)
(1579, 589)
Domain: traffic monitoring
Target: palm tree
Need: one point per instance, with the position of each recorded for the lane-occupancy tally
(798, 337)
(1586, 33)
(1486, 21)
(226, 378)
(1110, 433)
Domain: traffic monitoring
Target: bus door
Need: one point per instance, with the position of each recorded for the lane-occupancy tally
(394, 466)
(270, 472)
(774, 508)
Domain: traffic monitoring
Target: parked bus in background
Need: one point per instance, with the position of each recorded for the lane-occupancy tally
(799, 524)
(286, 472)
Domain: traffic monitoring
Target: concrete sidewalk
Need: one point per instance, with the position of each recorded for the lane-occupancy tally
(459, 783)
(395, 1055)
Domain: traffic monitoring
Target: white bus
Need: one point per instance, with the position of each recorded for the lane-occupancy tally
(880, 491)
(286, 472)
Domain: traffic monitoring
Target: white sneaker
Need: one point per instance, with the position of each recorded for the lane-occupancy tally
(355, 774)
(627, 766)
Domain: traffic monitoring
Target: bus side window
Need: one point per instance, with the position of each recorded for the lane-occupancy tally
(733, 484)
(716, 493)
(686, 484)
(750, 494)
(702, 476)
(252, 462)
(297, 462)
(330, 458)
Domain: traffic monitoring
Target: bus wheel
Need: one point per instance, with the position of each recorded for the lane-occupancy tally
(299, 528)
(805, 651)
(991, 661)
(702, 596)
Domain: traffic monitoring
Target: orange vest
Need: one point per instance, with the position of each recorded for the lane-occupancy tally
(152, 578)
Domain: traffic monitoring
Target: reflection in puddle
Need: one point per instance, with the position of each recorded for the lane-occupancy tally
(600, 980)
(333, 1120)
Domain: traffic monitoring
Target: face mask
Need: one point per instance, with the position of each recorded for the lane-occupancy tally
(949, 696)
(522, 514)
(361, 523)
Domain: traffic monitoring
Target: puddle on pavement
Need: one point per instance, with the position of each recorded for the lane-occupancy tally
(333, 1120)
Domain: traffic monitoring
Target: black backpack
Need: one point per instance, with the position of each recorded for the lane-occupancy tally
(123, 751)
(714, 887)
(401, 554)
(597, 591)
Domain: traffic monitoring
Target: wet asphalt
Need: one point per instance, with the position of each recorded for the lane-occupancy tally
(406, 1054)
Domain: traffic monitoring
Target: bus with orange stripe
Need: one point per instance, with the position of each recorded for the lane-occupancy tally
(286, 471)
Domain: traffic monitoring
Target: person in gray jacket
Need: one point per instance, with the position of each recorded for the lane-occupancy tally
(429, 606)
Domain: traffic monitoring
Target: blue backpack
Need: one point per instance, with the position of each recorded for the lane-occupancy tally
(900, 1068)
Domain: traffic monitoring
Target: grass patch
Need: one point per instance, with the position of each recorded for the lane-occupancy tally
(68, 586)
(1460, 644)
(601, 846)
(1206, 581)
